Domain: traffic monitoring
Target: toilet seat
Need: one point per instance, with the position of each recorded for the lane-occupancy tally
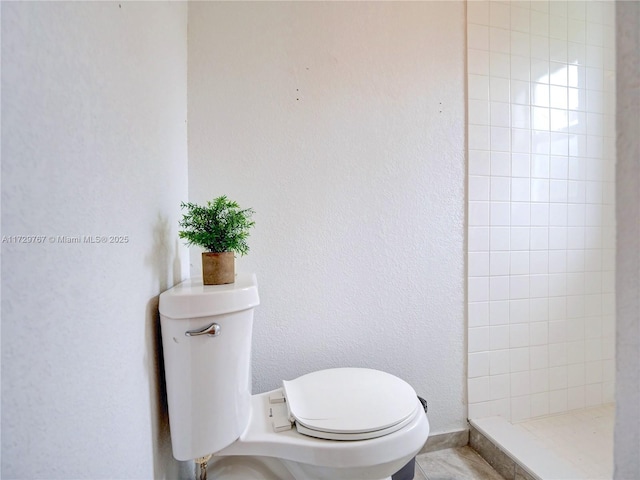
(350, 403)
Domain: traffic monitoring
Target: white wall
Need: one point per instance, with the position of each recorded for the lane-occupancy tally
(342, 124)
(93, 143)
(627, 430)
(541, 88)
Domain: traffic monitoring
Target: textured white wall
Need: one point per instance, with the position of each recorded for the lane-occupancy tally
(342, 124)
(93, 143)
(627, 430)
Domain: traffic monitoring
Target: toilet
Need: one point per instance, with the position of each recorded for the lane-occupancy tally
(334, 424)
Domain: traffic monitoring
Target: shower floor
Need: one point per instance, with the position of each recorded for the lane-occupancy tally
(574, 445)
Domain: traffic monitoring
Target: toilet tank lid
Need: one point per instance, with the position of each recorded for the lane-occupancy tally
(192, 299)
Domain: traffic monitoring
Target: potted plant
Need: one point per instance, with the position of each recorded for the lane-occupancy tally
(221, 228)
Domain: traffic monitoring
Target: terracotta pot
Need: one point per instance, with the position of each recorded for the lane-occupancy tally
(218, 268)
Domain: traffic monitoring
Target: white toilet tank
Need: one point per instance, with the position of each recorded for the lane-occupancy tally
(206, 338)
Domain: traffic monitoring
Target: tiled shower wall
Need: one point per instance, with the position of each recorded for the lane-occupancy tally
(541, 232)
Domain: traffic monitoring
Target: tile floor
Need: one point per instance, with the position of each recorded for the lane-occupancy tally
(461, 463)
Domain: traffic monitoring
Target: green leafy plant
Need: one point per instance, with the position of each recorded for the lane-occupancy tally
(220, 226)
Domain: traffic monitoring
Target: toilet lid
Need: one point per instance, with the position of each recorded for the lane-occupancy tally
(350, 403)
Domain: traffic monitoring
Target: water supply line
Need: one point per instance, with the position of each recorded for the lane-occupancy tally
(201, 465)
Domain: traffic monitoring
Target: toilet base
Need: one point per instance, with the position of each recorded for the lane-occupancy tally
(407, 472)
(266, 468)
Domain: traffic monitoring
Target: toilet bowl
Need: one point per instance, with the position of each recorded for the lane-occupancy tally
(334, 424)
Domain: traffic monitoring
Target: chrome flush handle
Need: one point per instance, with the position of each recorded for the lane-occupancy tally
(212, 330)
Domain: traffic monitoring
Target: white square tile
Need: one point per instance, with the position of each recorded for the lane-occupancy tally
(478, 264)
(539, 47)
(559, 76)
(520, 140)
(557, 331)
(575, 260)
(478, 112)
(558, 234)
(500, 386)
(576, 398)
(519, 361)
(575, 358)
(539, 240)
(478, 239)
(519, 311)
(575, 305)
(477, 36)
(576, 237)
(558, 288)
(478, 289)
(558, 215)
(539, 403)
(558, 50)
(521, 214)
(540, 214)
(499, 312)
(479, 162)
(499, 40)
(520, 383)
(539, 309)
(520, 116)
(500, 164)
(576, 191)
(478, 62)
(478, 364)
(557, 377)
(499, 238)
(520, 408)
(478, 314)
(540, 118)
(557, 261)
(519, 335)
(520, 18)
(593, 394)
(539, 359)
(499, 337)
(520, 68)
(478, 188)
(520, 44)
(557, 401)
(520, 236)
(499, 90)
(520, 165)
(478, 12)
(539, 23)
(540, 94)
(539, 332)
(500, 116)
(500, 189)
(500, 15)
(478, 213)
(539, 285)
(539, 190)
(519, 263)
(520, 92)
(557, 357)
(539, 261)
(499, 362)
(499, 213)
(479, 137)
(559, 167)
(499, 64)
(479, 339)
(499, 288)
(478, 389)
(540, 142)
(500, 139)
